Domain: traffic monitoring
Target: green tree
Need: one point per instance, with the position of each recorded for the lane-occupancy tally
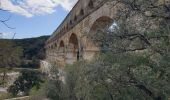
(10, 56)
(135, 64)
(55, 88)
(25, 82)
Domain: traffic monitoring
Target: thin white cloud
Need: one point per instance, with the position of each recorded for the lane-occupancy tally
(30, 8)
(6, 35)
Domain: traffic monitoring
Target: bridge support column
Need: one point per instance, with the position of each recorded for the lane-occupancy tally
(89, 54)
(71, 56)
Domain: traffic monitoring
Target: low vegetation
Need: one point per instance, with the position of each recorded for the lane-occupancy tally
(25, 82)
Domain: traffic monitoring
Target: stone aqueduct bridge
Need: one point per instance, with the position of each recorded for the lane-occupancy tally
(70, 40)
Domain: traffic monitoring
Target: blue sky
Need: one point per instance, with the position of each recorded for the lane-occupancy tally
(33, 18)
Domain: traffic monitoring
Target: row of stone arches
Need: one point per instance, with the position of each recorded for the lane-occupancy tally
(74, 50)
(71, 49)
(71, 46)
(78, 16)
(68, 53)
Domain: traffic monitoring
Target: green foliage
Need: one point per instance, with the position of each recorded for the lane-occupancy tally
(4, 96)
(38, 94)
(25, 82)
(33, 47)
(10, 55)
(125, 76)
(55, 89)
(33, 51)
(22, 52)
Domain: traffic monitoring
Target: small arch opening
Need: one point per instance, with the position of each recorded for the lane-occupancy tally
(71, 22)
(75, 18)
(81, 12)
(61, 47)
(91, 5)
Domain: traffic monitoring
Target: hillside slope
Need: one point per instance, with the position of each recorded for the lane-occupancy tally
(32, 47)
(32, 50)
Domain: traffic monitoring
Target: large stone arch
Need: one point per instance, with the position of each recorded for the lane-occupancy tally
(72, 49)
(107, 11)
(100, 24)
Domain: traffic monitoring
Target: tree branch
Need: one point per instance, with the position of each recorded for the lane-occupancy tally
(4, 22)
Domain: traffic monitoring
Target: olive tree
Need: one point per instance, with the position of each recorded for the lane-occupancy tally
(134, 61)
(135, 64)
